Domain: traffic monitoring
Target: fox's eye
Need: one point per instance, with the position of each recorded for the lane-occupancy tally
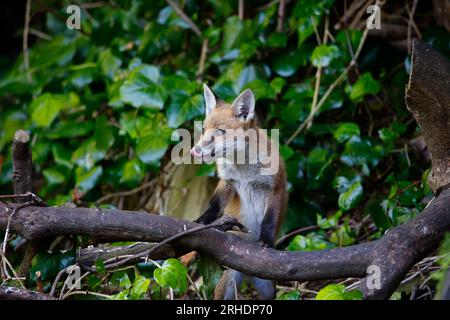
(220, 131)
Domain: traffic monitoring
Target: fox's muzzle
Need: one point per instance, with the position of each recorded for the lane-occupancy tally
(196, 152)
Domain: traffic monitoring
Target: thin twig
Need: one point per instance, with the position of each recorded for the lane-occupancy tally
(201, 65)
(34, 198)
(281, 10)
(55, 282)
(293, 233)
(6, 264)
(78, 281)
(241, 9)
(318, 79)
(26, 30)
(126, 193)
(8, 225)
(93, 5)
(195, 287)
(40, 34)
(221, 222)
(87, 293)
(331, 88)
(411, 12)
(316, 31)
(185, 17)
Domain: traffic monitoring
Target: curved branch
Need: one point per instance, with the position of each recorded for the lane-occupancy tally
(228, 249)
(428, 99)
(14, 293)
(394, 254)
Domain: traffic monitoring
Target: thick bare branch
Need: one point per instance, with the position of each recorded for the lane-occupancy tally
(394, 254)
(22, 164)
(23, 168)
(14, 293)
(428, 99)
(228, 249)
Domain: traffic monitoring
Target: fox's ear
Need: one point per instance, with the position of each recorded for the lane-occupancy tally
(210, 100)
(244, 106)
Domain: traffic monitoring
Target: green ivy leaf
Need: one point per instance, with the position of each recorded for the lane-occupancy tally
(120, 279)
(387, 135)
(337, 292)
(140, 286)
(133, 172)
(55, 175)
(277, 40)
(62, 155)
(82, 74)
(360, 151)
(310, 242)
(150, 149)
(100, 266)
(291, 295)
(286, 65)
(104, 134)
(232, 32)
(47, 107)
(343, 236)
(331, 222)
(318, 167)
(184, 107)
(122, 295)
(172, 274)
(309, 12)
(9, 125)
(142, 88)
(345, 131)
(87, 179)
(351, 197)
(323, 55)
(366, 84)
(70, 129)
(87, 154)
(211, 272)
(49, 264)
(109, 63)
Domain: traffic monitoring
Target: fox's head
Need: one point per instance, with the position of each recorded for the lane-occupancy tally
(221, 125)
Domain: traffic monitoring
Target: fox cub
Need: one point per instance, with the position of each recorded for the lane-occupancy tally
(249, 187)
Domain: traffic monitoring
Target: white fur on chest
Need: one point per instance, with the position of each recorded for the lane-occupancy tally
(253, 189)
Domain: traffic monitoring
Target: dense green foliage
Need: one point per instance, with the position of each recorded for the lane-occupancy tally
(103, 102)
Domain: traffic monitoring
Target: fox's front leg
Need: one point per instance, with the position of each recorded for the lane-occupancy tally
(271, 219)
(221, 197)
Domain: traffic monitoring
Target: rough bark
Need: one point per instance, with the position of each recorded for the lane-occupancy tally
(23, 168)
(87, 257)
(14, 293)
(22, 164)
(394, 254)
(39, 222)
(428, 99)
